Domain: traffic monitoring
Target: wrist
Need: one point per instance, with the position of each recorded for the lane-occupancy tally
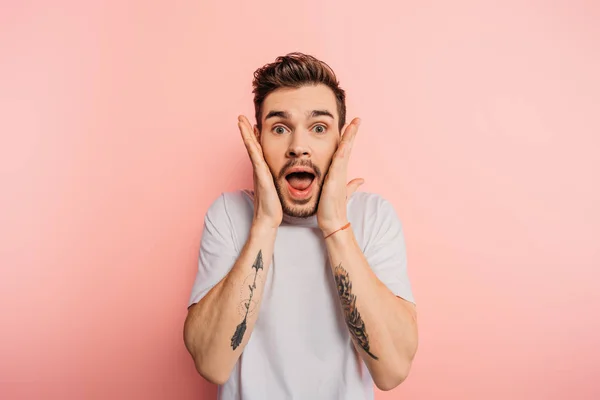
(263, 228)
(331, 228)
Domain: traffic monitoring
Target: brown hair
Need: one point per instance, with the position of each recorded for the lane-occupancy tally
(295, 70)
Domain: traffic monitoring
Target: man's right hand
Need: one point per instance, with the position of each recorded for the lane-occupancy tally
(267, 206)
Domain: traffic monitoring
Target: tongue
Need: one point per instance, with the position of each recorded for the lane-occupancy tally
(299, 182)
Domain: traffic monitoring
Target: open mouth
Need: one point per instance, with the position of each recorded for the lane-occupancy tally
(300, 183)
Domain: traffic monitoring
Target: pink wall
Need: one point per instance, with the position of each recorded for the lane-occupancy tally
(118, 122)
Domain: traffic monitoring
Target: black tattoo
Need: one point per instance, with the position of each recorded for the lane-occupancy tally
(355, 323)
(245, 296)
(236, 339)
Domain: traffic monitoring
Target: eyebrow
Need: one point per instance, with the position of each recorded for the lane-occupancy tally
(310, 114)
(280, 114)
(321, 113)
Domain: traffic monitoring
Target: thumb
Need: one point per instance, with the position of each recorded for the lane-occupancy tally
(352, 186)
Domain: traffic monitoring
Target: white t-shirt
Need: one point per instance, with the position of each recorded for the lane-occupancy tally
(300, 347)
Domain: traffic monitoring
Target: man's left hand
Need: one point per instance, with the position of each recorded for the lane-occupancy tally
(331, 214)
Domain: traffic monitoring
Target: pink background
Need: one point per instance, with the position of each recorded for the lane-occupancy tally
(480, 123)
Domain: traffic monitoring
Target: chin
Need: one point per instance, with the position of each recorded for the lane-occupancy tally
(299, 208)
(299, 211)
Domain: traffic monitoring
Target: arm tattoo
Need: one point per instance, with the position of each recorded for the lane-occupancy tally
(355, 323)
(236, 339)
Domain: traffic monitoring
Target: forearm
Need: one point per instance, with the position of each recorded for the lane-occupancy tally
(383, 327)
(218, 326)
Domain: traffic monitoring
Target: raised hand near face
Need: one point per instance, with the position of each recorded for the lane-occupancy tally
(267, 206)
(331, 214)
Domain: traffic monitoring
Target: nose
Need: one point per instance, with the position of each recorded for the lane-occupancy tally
(298, 146)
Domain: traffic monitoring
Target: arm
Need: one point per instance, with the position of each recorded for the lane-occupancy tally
(218, 327)
(383, 326)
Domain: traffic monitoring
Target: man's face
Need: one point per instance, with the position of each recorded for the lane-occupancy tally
(299, 137)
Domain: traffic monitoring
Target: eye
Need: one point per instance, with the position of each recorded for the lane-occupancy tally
(320, 128)
(280, 130)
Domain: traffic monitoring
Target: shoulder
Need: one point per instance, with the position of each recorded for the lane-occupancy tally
(373, 215)
(370, 204)
(229, 216)
(231, 206)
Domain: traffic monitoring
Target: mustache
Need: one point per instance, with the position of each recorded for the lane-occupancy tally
(299, 163)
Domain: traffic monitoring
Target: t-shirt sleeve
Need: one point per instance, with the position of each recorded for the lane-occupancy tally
(386, 250)
(218, 252)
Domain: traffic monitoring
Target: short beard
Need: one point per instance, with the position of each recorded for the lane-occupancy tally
(297, 210)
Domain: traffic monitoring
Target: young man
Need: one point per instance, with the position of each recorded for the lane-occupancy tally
(302, 289)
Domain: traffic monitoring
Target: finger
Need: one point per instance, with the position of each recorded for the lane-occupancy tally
(347, 141)
(252, 146)
(255, 137)
(248, 128)
(341, 157)
(350, 132)
(352, 186)
(246, 135)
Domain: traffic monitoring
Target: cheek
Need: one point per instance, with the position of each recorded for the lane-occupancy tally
(329, 146)
(324, 156)
(274, 156)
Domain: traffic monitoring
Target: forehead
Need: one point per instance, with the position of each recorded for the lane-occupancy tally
(302, 100)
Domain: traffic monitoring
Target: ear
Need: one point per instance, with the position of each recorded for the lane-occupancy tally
(257, 133)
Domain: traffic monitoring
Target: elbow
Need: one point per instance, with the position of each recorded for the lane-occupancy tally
(389, 383)
(393, 379)
(398, 369)
(212, 375)
(209, 369)
(206, 365)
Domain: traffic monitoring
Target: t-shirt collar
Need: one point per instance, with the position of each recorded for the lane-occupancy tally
(297, 221)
